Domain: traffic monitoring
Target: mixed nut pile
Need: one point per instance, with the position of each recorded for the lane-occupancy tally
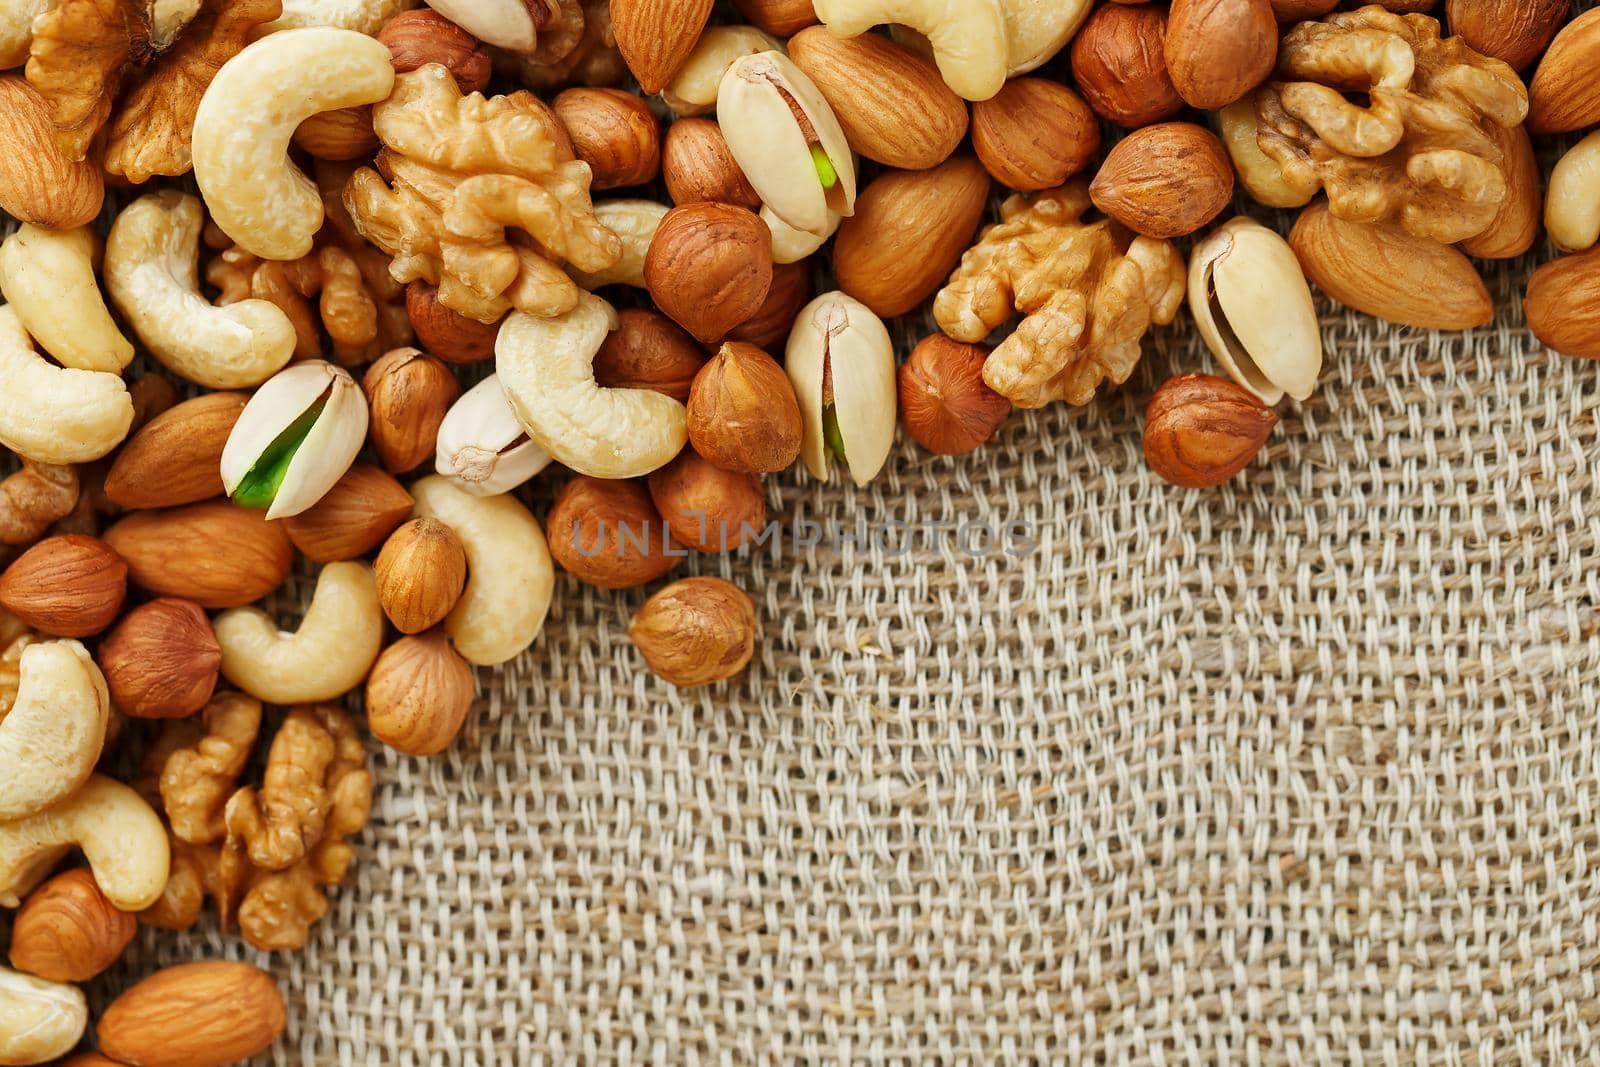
(384, 197)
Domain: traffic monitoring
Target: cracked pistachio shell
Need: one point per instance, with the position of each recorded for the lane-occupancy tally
(546, 368)
(483, 449)
(768, 143)
(790, 245)
(838, 337)
(327, 451)
(1254, 309)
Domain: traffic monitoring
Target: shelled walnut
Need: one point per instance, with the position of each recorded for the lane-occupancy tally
(1089, 291)
(481, 197)
(14, 637)
(1393, 121)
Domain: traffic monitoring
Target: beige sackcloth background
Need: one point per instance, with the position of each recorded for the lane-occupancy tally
(1302, 770)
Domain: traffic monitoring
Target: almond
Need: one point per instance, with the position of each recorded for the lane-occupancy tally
(68, 586)
(37, 183)
(891, 102)
(1384, 271)
(161, 660)
(216, 554)
(1564, 94)
(656, 36)
(1201, 430)
(1034, 134)
(67, 931)
(1219, 50)
(1165, 181)
(1516, 225)
(781, 18)
(194, 1015)
(176, 459)
(909, 229)
(1563, 304)
(353, 518)
(1514, 31)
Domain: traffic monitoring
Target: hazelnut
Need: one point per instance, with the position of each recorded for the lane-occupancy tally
(66, 586)
(421, 573)
(609, 534)
(352, 518)
(341, 134)
(781, 18)
(790, 291)
(445, 333)
(1219, 50)
(417, 38)
(706, 507)
(408, 394)
(67, 931)
(418, 694)
(1165, 181)
(615, 132)
(1300, 10)
(1514, 31)
(648, 351)
(1034, 134)
(743, 414)
(1201, 430)
(161, 660)
(697, 166)
(944, 402)
(709, 267)
(1119, 63)
(696, 632)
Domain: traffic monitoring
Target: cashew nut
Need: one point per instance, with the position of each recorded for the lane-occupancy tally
(48, 276)
(1572, 206)
(363, 16)
(56, 414)
(51, 739)
(509, 574)
(546, 367)
(152, 273)
(968, 36)
(693, 90)
(124, 841)
(328, 656)
(39, 1020)
(251, 109)
(634, 221)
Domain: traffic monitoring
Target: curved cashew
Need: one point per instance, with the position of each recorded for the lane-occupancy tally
(152, 274)
(328, 656)
(635, 222)
(51, 739)
(363, 16)
(48, 276)
(39, 1020)
(243, 125)
(694, 88)
(509, 574)
(56, 414)
(546, 367)
(1572, 206)
(968, 36)
(124, 841)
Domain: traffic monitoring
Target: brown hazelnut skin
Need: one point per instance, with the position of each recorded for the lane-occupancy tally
(615, 132)
(790, 291)
(1201, 430)
(709, 267)
(69, 585)
(409, 394)
(648, 351)
(706, 507)
(1120, 65)
(67, 931)
(161, 660)
(609, 534)
(342, 134)
(1034, 134)
(416, 38)
(419, 693)
(743, 414)
(421, 572)
(781, 18)
(697, 166)
(696, 632)
(945, 404)
(444, 332)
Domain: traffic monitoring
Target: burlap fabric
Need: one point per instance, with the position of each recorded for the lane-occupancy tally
(1303, 770)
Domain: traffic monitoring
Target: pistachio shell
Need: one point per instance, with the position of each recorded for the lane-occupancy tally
(328, 450)
(483, 449)
(838, 335)
(768, 144)
(1254, 309)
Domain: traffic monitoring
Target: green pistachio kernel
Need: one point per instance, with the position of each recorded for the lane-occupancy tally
(260, 486)
(830, 431)
(825, 172)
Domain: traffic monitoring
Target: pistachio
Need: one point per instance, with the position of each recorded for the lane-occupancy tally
(295, 438)
(483, 449)
(787, 141)
(840, 360)
(1254, 309)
